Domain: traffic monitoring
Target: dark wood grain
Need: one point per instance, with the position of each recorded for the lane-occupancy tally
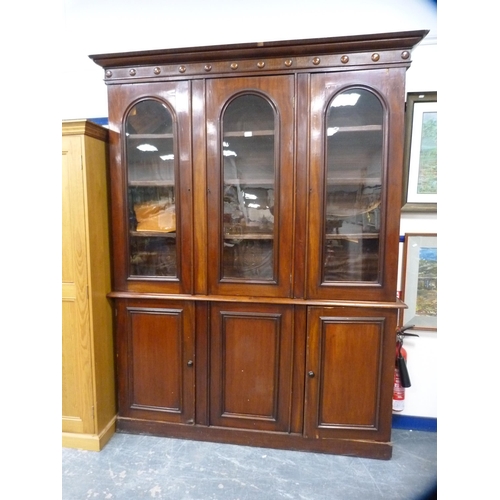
(294, 357)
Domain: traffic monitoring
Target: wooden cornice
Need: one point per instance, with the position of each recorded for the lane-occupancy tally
(287, 48)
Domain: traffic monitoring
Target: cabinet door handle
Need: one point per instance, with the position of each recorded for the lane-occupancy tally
(190, 362)
(311, 374)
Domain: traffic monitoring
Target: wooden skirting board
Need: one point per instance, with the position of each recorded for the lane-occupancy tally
(90, 442)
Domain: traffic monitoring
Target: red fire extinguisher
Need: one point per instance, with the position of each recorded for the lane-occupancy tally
(401, 376)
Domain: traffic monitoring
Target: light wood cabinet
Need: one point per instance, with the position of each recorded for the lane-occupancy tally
(88, 380)
(256, 193)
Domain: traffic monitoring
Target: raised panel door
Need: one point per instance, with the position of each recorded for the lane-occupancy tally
(156, 361)
(348, 372)
(251, 366)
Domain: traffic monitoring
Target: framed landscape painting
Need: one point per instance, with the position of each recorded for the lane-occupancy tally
(419, 281)
(420, 157)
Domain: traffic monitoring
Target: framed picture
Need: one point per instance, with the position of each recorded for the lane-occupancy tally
(419, 281)
(420, 154)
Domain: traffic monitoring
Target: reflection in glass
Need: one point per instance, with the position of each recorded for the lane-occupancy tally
(248, 189)
(151, 190)
(354, 139)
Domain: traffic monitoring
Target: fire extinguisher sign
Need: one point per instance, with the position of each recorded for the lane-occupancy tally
(398, 394)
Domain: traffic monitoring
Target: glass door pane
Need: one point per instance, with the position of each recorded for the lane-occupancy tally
(151, 164)
(353, 145)
(248, 151)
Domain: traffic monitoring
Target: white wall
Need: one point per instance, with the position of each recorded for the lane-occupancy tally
(421, 397)
(102, 26)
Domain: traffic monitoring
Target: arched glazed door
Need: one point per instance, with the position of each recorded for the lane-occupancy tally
(352, 242)
(250, 180)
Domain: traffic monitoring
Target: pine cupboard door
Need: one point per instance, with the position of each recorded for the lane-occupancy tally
(155, 351)
(250, 127)
(77, 365)
(151, 171)
(251, 366)
(357, 122)
(349, 373)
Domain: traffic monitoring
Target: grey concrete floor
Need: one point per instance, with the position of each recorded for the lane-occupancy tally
(134, 467)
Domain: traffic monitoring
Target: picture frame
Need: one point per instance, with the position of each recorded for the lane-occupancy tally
(419, 281)
(420, 153)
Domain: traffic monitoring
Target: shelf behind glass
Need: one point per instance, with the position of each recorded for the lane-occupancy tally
(153, 256)
(354, 139)
(249, 259)
(146, 234)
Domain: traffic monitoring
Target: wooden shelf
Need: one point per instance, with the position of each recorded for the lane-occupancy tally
(353, 236)
(358, 128)
(249, 182)
(149, 234)
(150, 136)
(249, 133)
(249, 236)
(346, 180)
(160, 183)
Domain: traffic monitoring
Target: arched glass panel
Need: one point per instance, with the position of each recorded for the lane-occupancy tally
(151, 190)
(249, 215)
(354, 142)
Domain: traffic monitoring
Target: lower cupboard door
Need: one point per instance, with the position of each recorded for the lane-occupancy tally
(156, 362)
(349, 373)
(251, 366)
